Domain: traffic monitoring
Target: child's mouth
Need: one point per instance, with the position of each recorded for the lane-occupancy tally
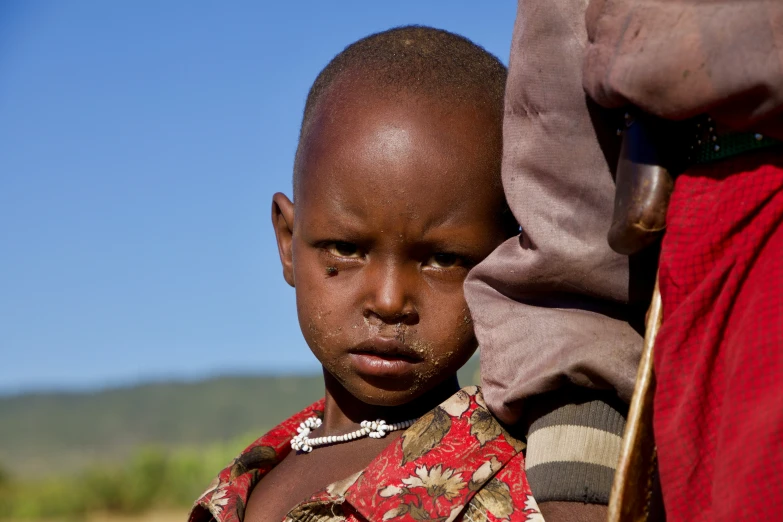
(384, 357)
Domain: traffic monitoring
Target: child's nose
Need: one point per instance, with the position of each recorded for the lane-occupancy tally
(390, 295)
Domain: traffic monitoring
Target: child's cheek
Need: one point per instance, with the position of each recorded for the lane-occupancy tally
(317, 332)
(458, 343)
(328, 343)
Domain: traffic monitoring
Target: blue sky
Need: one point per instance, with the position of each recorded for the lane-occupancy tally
(140, 145)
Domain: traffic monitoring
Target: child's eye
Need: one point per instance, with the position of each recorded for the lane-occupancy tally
(342, 249)
(445, 261)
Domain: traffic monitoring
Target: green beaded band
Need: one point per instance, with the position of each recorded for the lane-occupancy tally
(729, 145)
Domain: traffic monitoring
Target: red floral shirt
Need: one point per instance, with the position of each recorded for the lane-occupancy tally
(456, 462)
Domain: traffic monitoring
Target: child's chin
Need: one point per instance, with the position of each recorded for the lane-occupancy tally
(383, 396)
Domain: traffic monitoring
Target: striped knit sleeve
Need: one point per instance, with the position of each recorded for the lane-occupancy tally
(573, 444)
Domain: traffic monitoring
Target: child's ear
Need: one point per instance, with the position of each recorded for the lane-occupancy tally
(283, 222)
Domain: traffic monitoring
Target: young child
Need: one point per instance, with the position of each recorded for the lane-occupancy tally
(397, 193)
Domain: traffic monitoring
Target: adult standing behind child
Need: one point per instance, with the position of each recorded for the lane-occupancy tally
(556, 311)
(397, 194)
(558, 299)
(714, 70)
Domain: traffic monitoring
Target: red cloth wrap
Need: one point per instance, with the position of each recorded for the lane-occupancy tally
(719, 355)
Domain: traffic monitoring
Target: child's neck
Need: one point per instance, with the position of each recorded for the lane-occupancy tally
(343, 412)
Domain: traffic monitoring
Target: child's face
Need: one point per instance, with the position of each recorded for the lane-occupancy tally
(397, 199)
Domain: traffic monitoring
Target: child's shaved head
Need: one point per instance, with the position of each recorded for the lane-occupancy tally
(415, 60)
(397, 194)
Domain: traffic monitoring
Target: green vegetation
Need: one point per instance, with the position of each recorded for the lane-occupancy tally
(135, 449)
(55, 433)
(151, 479)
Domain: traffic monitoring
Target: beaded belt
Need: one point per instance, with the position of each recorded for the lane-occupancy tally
(709, 146)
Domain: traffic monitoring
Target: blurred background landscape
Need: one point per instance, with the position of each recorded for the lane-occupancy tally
(143, 451)
(146, 333)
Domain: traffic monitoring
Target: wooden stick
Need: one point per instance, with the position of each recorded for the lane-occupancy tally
(633, 481)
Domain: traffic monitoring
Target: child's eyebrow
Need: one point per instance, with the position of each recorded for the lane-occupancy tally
(451, 241)
(341, 223)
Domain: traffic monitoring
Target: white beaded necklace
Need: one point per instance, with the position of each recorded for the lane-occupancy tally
(375, 430)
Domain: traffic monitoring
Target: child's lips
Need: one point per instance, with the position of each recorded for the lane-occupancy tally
(384, 357)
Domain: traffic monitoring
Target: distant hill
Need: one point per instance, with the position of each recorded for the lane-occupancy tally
(55, 433)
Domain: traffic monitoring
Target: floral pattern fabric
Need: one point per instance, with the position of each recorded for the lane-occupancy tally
(455, 463)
